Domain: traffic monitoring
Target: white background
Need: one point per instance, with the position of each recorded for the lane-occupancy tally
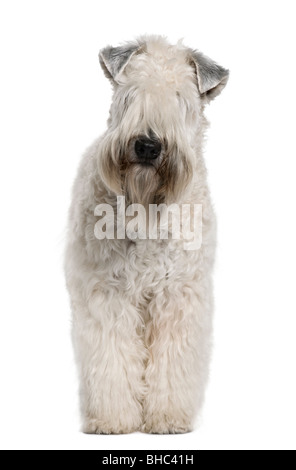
(54, 101)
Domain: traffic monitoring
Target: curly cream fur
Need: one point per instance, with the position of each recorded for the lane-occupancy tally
(142, 310)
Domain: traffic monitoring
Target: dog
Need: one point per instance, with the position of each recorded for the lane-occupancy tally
(142, 307)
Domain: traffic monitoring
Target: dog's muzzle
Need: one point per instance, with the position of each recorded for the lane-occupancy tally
(147, 150)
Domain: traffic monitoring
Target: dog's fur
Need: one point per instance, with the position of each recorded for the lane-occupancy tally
(142, 310)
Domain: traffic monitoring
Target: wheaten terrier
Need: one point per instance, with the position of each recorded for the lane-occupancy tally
(142, 303)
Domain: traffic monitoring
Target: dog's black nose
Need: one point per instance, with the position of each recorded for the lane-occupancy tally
(147, 150)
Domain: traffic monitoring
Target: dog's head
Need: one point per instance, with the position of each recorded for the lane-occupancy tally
(156, 119)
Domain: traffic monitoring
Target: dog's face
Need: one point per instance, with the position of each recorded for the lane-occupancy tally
(148, 153)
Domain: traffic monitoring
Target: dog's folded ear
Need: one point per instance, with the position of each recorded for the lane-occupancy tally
(211, 77)
(114, 59)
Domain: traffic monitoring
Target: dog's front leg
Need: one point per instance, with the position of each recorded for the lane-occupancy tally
(110, 354)
(179, 339)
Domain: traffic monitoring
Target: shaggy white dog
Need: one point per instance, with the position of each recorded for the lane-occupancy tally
(142, 308)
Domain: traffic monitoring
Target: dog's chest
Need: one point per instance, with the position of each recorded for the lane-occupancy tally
(153, 264)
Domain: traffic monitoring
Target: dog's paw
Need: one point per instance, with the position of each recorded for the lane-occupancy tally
(165, 425)
(96, 426)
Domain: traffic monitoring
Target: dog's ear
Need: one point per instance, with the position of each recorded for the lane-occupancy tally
(114, 59)
(211, 77)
